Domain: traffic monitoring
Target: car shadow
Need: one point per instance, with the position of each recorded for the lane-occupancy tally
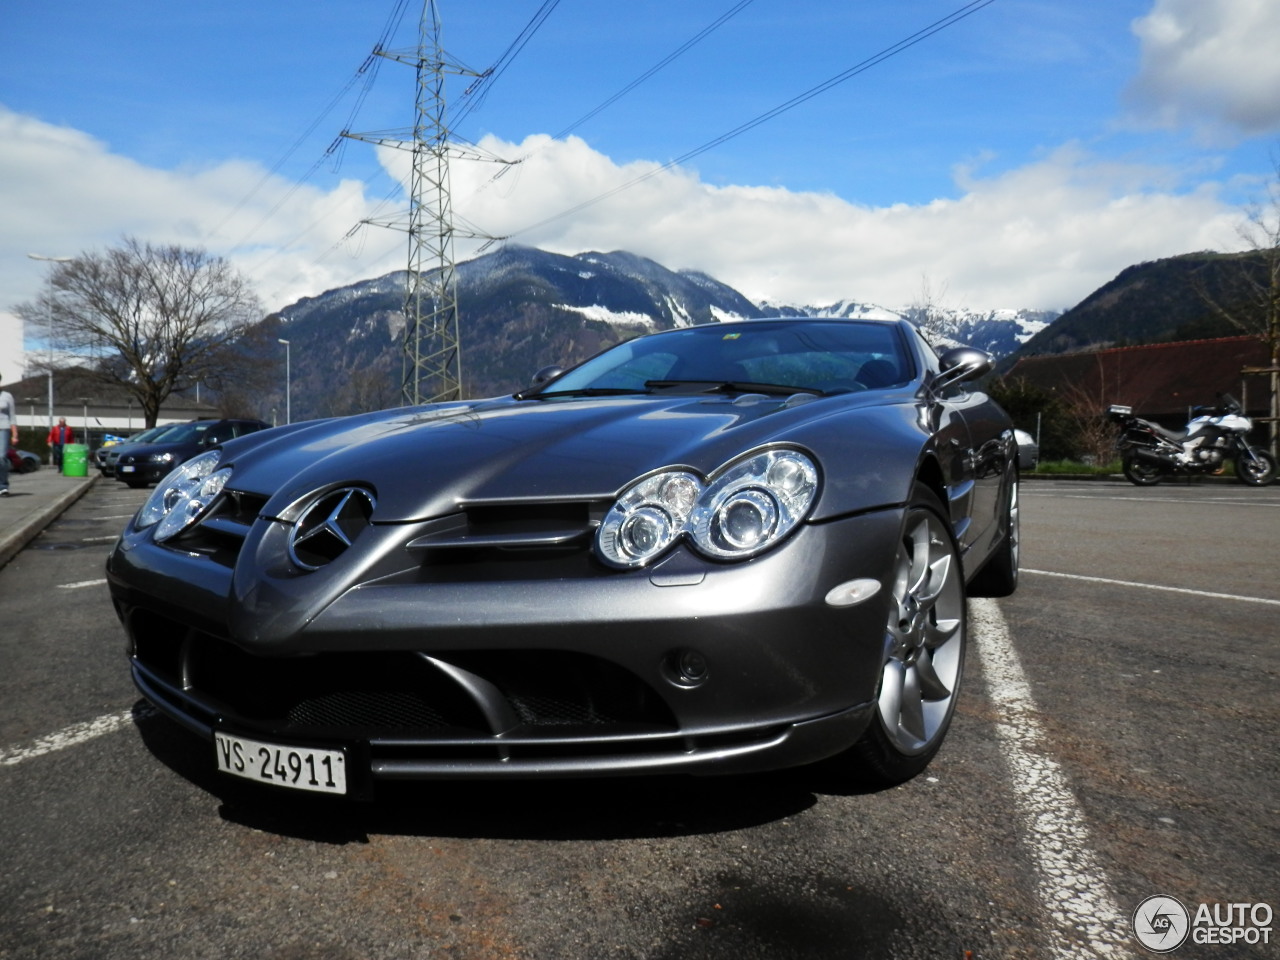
(581, 809)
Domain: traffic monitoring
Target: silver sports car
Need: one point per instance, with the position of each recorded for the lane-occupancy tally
(717, 549)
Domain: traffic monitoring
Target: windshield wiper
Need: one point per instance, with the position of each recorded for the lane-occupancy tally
(583, 392)
(731, 386)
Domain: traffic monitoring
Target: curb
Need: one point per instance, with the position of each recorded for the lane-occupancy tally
(26, 531)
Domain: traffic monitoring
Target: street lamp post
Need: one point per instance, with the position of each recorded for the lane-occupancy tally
(288, 385)
(85, 401)
(31, 412)
(49, 332)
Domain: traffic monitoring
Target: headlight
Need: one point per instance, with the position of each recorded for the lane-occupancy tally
(648, 518)
(753, 503)
(161, 457)
(181, 497)
(746, 507)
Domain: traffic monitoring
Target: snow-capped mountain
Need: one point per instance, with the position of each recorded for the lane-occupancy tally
(999, 332)
(523, 308)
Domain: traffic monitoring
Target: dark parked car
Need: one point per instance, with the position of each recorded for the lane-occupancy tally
(22, 461)
(105, 457)
(146, 463)
(717, 549)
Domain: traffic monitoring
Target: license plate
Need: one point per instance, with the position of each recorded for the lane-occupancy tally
(298, 768)
(127, 469)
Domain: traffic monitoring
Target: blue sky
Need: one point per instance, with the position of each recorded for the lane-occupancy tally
(1017, 158)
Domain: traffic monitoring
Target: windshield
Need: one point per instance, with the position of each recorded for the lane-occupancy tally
(831, 356)
(145, 435)
(182, 433)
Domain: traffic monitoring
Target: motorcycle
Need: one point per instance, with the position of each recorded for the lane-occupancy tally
(1214, 434)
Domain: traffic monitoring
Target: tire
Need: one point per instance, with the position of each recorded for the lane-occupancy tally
(135, 484)
(1142, 472)
(1257, 470)
(999, 577)
(925, 638)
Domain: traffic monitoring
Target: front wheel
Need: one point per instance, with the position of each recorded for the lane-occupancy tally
(1256, 467)
(925, 637)
(1144, 473)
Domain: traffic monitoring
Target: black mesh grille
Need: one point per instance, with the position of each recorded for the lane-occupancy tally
(556, 711)
(388, 710)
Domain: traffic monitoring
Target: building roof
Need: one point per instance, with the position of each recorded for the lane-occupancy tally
(1159, 380)
(75, 390)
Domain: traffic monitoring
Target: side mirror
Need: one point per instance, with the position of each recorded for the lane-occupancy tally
(960, 364)
(546, 375)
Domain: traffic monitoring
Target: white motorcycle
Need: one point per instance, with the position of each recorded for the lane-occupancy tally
(1215, 434)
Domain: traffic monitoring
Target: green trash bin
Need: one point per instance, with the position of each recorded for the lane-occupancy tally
(75, 460)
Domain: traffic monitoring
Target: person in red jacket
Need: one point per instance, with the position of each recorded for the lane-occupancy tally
(58, 436)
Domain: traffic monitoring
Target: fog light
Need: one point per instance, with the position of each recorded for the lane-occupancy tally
(686, 668)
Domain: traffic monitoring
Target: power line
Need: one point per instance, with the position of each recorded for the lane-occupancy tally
(369, 70)
(610, 101)
(475, 95)
(901, 46)
(675, 54)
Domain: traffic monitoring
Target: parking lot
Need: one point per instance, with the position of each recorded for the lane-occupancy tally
(1116, 740)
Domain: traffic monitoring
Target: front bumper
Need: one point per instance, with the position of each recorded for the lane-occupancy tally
(429, 667)
(144, 473)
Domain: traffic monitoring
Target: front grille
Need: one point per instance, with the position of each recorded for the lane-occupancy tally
(221, 533)
(556, 711)
(399, 695)
(367, 710)
(329, 525)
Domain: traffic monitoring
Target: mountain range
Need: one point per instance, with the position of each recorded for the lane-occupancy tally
(522, 308)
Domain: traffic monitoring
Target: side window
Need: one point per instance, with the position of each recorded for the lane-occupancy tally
(218, 434)
(245, 427)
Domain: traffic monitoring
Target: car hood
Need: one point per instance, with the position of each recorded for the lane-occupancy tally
(425, 462)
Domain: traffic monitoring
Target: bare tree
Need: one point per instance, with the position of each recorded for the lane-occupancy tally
(1251, 303)
(928, 311)
(149, 319)
(1092, 433)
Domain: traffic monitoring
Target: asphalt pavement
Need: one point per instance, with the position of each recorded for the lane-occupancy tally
(35, 500)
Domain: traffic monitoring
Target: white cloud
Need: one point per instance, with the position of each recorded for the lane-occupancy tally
(1210, 64)
(62, 192)
(1045, 235)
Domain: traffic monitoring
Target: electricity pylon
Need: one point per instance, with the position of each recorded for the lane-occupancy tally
(432, 367)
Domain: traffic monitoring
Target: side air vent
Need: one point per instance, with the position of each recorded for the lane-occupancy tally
(329, 526)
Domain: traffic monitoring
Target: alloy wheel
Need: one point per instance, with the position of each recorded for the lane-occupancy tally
(925, 637)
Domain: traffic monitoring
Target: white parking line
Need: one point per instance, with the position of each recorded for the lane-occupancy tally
(70, 736)
(1176, 501)
(1073, 888)
(81, 583)
(1154, 586)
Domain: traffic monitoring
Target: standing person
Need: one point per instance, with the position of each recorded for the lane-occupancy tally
(8, 434)
(58, 436)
